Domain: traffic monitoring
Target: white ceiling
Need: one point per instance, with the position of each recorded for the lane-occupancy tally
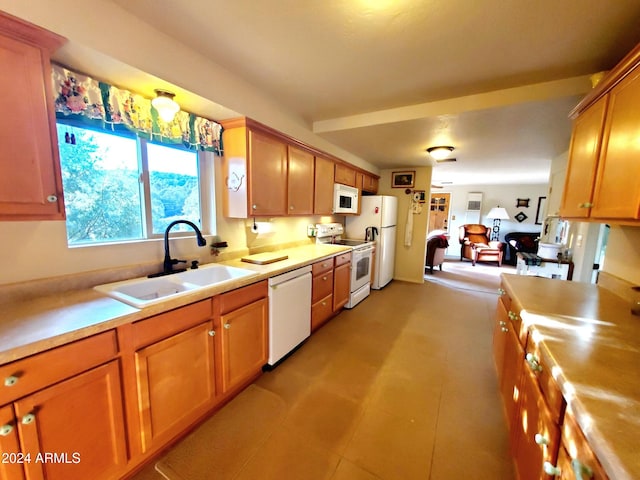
(385, 79)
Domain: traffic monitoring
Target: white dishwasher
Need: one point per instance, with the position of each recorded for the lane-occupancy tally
(289, 311)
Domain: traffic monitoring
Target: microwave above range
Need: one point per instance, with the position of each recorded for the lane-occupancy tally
(345, 199)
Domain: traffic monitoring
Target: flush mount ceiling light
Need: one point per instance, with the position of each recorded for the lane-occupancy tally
(440, 152)
(165, 105)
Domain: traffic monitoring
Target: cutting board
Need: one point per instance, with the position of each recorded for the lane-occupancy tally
(264, 258)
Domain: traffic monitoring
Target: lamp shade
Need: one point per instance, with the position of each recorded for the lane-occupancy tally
(498, 212)
(165, 105)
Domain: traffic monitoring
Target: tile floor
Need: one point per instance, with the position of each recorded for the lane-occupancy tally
(401, 387)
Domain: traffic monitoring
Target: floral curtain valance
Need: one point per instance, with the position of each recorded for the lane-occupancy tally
(101, 105)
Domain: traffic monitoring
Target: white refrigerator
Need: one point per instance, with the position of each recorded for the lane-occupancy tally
(380, 212)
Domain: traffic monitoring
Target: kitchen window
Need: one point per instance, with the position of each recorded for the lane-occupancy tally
(119, 187)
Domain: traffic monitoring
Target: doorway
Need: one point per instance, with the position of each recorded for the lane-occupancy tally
(439, 205)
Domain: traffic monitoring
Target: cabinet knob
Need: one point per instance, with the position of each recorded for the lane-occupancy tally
(501, 291)
(324, 304)
(52, 198)
(541, 439)
(6, 430)
(227, 326)
(550, 469)
(324, 278)
(503, 324)
(504, 329)
(254, 206)
(212, 333)
(291, 207)
(512, 316)
(585, 205)
(580, 470)
(28, 418)
(533, 362)
(10, 381)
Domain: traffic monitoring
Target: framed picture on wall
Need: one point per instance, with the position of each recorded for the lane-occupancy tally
(406, 179)
(540, 210)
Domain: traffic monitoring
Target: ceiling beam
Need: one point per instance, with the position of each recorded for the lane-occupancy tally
(481, 101)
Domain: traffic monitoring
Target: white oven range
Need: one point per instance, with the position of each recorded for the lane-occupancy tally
(361, 260)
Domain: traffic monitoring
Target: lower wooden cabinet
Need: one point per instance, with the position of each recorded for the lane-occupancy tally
(576, 460)
(244, 343)
(341, 280)
(73, 429)
(175, 383)
(321, 293)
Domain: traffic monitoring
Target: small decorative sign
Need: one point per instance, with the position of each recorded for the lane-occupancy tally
(521, 217)
(522, 203)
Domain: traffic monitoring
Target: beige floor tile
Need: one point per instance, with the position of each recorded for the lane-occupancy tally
(289, 385)
(402, 396)
(350, 376)
(348, 471)
(286, 456)
(391, 447)
(324, 418)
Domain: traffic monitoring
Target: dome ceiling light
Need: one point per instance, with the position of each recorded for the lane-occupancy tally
(166, 106)
(440, 153)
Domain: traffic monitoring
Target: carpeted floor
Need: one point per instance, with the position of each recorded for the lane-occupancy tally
(401, 387)
(483, 277)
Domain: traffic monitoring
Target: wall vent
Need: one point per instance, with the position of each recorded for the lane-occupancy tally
(474, 206)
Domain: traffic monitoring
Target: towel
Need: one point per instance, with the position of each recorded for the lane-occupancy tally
(408, 231)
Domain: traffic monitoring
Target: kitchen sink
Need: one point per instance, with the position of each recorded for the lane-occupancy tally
(143, 292)
(213, 275)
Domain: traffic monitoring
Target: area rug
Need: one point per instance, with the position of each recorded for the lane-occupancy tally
(220, 447)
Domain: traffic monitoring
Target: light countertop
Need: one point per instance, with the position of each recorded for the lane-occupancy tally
(591, 338)
(29, 327)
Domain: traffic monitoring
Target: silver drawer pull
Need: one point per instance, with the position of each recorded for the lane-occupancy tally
(533, 362)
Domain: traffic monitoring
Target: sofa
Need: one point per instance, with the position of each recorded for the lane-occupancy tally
(476, 246)
(525, 242)
(436, 247)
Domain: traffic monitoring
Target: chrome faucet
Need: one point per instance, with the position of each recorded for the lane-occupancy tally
(170, 262)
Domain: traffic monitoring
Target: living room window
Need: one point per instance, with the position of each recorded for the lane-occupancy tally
(120, 187)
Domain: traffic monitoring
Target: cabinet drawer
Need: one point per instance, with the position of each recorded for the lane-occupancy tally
(322, 286)
(576, 453)
(505, 298)
(322, 266)
(25, 376)
(321, 311)
(166, 324)
(540, 365)
(342, 258)
(242, 296)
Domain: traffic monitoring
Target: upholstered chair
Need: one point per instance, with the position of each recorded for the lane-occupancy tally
(476, 246)
(436, 247)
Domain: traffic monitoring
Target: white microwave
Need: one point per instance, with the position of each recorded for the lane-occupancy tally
(345, 199)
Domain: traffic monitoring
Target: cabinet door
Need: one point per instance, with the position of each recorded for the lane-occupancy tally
(511, 374)
(617, 191)
(341, 285)
(245, 343)
(30, 182)
(500, 330)
(537, 436)
(345, 175)
(268, 175)
(300, 182)
(176, 383)
(583, 161)
(11, 466)
(81, 421)
(323, 194)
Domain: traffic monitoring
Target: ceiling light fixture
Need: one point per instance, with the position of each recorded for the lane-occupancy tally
(440, 152)
(166, 106)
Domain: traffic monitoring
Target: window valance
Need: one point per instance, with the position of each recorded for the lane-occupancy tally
(100, 105)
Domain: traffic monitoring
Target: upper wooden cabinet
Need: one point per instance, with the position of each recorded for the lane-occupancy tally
(603, 176)
(300, 182)
(323, 192)
(581, 173)
(345, 175)
(30, 181)
(367, 183)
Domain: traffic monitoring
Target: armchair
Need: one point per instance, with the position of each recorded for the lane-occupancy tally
(476, 246)
(436, 246)
(525, 242)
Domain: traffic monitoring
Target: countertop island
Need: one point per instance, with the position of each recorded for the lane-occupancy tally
(593, 343)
